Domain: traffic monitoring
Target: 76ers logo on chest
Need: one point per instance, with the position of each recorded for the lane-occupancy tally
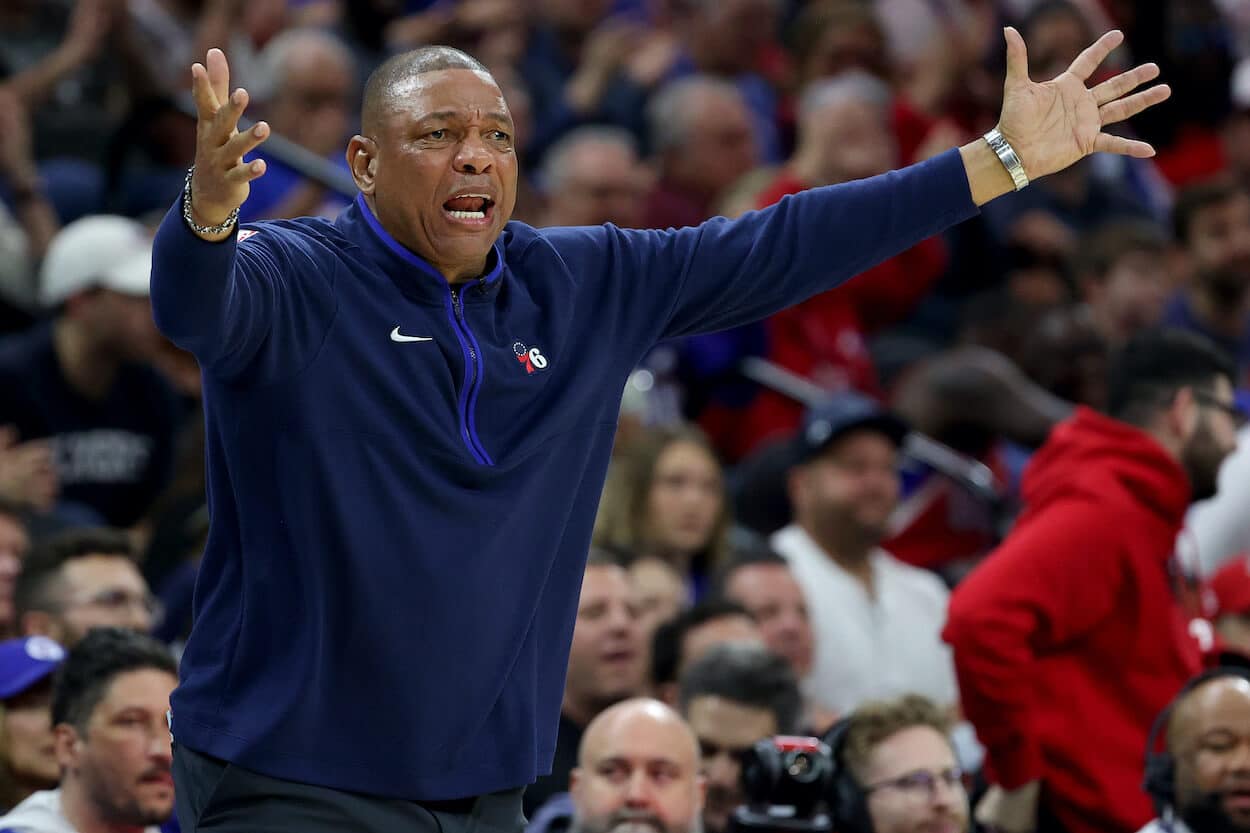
(531, 358)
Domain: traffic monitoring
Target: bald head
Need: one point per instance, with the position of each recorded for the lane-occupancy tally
(1204, 705)
(1209, 739)
(398, 74)
(638, 765)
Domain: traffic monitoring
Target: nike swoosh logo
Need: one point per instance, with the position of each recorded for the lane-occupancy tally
(397, 336)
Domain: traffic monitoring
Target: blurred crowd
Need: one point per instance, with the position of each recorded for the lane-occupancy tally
(975, 517)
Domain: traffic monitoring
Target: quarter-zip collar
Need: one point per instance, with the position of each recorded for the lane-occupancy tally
(413, 274)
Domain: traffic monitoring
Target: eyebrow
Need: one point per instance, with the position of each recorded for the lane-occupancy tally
(441, 115)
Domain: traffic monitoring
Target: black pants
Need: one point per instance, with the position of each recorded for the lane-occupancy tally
(218, 797)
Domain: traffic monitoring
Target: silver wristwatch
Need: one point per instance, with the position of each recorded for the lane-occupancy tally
(1007, 155)
(226, 225)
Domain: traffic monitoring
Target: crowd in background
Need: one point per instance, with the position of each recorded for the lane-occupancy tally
(839, 510)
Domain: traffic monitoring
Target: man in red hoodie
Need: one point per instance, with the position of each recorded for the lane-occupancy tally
(1068, 639)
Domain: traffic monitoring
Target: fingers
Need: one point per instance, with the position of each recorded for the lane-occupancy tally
(1106, 143)
(1126, 108)
(1088, 61)
(240, 174)
(218, 73)
(1017, 57)
(1123, 83)
(244, 143)
(206, 103)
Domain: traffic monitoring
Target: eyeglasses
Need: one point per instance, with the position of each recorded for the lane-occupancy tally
(117, 599)
(1235, 413)
(921, 782)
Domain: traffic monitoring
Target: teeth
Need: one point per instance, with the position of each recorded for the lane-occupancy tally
(468, 215)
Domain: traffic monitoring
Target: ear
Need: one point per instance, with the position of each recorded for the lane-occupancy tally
(700, 794)
(41, 623)
(68, 746)
(1181, 416)
(362, 158)
(575, 780)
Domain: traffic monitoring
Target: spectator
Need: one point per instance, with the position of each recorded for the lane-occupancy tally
(593, 175)
(1051, 631)
(308, 97)
(876, 620)
(733, 696)
(660, 592)
(896, 770)
(82, 381)
(666, 498)
(1122, 271)
(1198, 781)
(27, 755)
(112, 741)
(1227, 599)
(83, 579)
(1219, 527)
(1212, 228)
(638, 766)
(14, 544)
(702, 140)
(606, 665)
(681, 641)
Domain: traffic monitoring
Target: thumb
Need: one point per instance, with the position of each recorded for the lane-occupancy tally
(1017, 57)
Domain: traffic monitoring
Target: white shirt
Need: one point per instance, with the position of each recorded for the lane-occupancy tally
(1217, 529)
(871, 648)
(41, 813)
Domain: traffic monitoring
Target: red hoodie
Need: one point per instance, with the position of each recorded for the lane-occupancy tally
(1068, 640)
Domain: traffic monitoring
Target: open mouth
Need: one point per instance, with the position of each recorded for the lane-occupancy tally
(473, 209)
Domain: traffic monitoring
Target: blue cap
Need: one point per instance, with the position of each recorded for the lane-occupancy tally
(24, 662)
(840, 414)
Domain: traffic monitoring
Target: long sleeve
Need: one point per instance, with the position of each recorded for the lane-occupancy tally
(259, 309)
(1053, 580)
(725, 273)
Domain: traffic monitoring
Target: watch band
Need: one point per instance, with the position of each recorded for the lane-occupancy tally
(1007, 155)
(229, 223)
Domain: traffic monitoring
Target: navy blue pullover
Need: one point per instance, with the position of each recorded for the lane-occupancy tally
(403, 474)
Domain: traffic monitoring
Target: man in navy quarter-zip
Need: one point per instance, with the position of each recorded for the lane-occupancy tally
(409, 415)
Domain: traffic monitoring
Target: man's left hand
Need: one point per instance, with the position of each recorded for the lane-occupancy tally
(1053, 124)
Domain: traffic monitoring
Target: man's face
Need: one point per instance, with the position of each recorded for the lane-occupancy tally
(733, 32)
(718, 631)
(1219, 246)
(719, 147)
(606, 663)
(445, 136)
(851, 488)
(637, 775)
(914, 784)
(854, 139)
(98, 591)
(1133, 293)
(14, 544)
(123, 760)
(121, 324)
(1212, 753)
(659, 593)
(726, 730)
(313, 108)
(603, 182)
(776, 601)
(1213, 438)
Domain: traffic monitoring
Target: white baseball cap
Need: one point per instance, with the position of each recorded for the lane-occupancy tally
(100, 250)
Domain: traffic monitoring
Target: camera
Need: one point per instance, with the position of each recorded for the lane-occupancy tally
(786, 781)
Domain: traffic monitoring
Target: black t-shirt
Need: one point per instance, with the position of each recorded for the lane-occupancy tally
(567, 741)
(114, 454)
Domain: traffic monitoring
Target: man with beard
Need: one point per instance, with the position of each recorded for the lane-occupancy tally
(876, 621)
(902, 770)
(1212, 227)
(607, 664)
(638, 772)
(1071, 633)
(1200, 782)
(112, 740)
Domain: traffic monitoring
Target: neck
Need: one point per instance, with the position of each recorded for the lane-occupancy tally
(81, 813)
(847, 548)
(1219, 316)
(89, 371)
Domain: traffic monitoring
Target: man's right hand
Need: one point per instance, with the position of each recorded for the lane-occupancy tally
(222, 180)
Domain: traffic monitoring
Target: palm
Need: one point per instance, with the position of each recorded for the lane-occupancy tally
(1053, 124)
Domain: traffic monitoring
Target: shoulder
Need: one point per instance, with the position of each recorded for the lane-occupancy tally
(916, 581)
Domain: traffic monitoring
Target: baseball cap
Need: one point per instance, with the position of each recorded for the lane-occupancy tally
(1228, 591)
(836, 416)
(98, 250)
(24, 662)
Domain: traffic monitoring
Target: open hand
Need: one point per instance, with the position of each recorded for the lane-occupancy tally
(1053, 124)
(221, 181)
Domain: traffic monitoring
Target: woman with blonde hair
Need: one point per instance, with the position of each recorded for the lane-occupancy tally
(666, 498)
